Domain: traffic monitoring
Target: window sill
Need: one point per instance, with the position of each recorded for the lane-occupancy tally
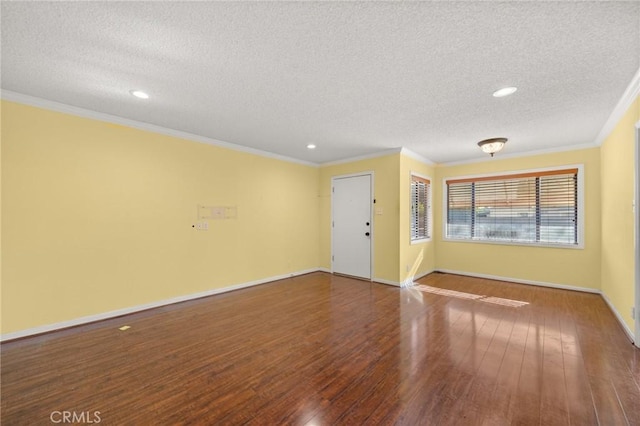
(579, 246)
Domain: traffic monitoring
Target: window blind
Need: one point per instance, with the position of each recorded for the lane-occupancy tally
(420, 188)
(540, 207)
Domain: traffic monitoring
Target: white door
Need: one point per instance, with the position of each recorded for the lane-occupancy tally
(352, 226)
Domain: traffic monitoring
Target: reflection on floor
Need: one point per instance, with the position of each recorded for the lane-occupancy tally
(504, 302)
(327, 350)
(463, 295)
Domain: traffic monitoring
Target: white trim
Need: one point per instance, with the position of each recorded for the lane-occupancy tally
(387, 282)
(514, 243)
(624, 325)
(554, 150)
(615, 312)
(515, 172)
(581, 215)
(420, 175)
(636, 220)
(133, 309)
(350, 175)
(327, 270)
(520, 281)
(377, 154)
(429, 202)
(629, 95)
(407, 152)
(372, 233)
(632, 91)
(397, 284)
(424, 274)
(94, 115)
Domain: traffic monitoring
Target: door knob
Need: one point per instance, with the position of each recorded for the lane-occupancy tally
(366, 233)
(367, 223)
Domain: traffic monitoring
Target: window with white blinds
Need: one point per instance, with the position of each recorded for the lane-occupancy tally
(420, 208)
(538, 207)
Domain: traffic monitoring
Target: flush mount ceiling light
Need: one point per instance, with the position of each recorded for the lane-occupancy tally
(506, 91)
(311, 146)
(491, 146)
(139, 94)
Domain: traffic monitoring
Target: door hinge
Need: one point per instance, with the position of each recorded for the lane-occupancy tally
(333, 189)
(332, 258)
(333, 224)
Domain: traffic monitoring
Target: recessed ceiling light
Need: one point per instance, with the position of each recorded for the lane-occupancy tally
(139, 94)
(311, 146)
(506, 91)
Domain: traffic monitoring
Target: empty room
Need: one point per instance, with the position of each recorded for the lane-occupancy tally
(320, 213)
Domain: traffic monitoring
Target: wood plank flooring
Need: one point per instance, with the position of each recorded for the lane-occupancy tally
(327, 350)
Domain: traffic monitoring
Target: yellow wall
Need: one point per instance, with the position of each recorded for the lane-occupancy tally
(385, 226)
(0, 216)
(97, 217)
(418, 259)
(572, 267)
(617, 180)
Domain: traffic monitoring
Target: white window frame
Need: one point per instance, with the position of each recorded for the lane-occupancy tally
(429, 208)
(581, 220)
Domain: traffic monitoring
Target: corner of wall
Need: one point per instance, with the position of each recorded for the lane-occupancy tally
(617, 156)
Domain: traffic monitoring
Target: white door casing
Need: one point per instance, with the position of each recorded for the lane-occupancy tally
(637, 237)
(352, 224)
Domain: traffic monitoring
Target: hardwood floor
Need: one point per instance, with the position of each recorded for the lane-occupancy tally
(326, 350)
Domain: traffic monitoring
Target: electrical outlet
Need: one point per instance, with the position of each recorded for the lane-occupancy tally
(202, 226)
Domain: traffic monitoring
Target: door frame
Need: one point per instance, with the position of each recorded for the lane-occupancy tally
(636, 216)
(369, 173)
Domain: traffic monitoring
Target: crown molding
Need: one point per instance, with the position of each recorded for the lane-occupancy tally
(86, 113)
(407, 152)
(565, 148)
(629, 95)
(376, 154)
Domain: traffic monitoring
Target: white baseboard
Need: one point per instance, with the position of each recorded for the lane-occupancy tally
(417, 277)
(387, 282)
(521, 281)
(624, 325)
(125, 311)
(133, 309)
(398, 284)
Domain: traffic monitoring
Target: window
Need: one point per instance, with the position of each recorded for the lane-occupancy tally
(539, 207)
(420, 208)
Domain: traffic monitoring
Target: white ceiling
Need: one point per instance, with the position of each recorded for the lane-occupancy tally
(354, 78)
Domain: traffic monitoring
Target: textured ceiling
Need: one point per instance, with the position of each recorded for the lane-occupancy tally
(354, 78)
